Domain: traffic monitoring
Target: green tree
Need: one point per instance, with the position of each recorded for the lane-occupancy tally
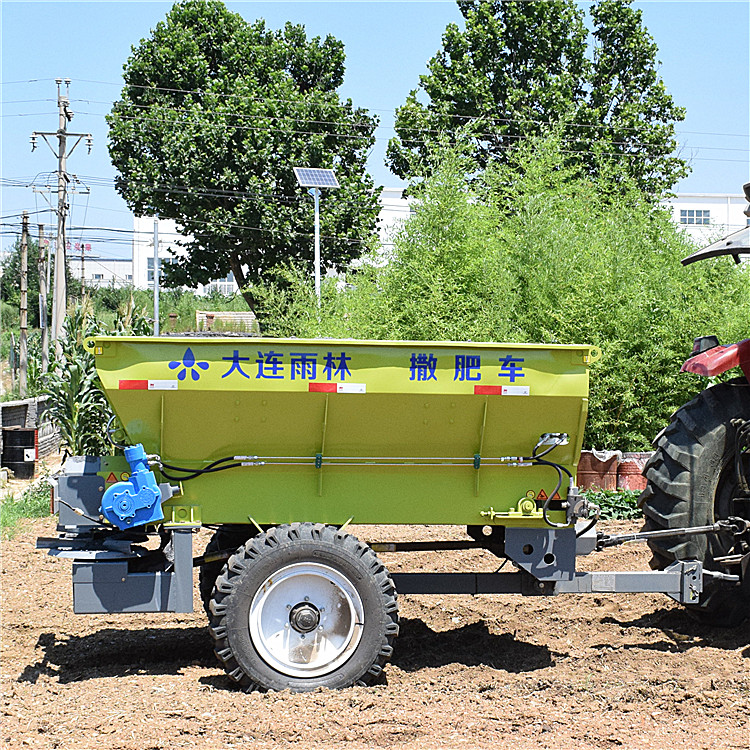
(10, 284)
(214, 114)
(626, 124)
(519, 68)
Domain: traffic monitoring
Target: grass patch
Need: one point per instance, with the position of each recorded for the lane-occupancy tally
(616, 504)
(32, 503)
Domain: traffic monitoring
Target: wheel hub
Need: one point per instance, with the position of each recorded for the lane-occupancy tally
(306, 620)
(304, 617)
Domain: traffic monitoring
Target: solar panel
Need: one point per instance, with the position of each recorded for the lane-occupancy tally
(310, 177)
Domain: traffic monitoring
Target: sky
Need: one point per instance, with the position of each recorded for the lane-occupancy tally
(704, 49)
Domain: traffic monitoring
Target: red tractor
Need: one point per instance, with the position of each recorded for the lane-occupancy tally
(700, 471)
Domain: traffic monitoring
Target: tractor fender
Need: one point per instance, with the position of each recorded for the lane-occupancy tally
(719, 359)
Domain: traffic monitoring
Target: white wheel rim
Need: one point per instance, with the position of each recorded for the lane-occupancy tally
(306, 620)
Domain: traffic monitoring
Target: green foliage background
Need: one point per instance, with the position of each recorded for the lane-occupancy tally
(538, 253)
(516, 68)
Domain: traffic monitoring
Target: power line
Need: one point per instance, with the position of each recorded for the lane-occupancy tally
(390, 111)
(20, 213)
(349, 105)
(30, 80)
(355, 126)
(31, 101)
(423, 141)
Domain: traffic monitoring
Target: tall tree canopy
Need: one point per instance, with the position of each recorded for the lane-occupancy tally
(214, 115)
(520, 67)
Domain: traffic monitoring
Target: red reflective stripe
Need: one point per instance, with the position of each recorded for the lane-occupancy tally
(488, 390)
(134, 385)
(322, 387)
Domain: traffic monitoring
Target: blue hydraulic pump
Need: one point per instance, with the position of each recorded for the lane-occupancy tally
(136, 501)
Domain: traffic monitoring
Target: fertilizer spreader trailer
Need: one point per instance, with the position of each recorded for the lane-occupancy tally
(278, 445)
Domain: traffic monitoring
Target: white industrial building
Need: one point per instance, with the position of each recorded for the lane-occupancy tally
(169, 239)
(104, 271)
(705, 217)
(395, 209)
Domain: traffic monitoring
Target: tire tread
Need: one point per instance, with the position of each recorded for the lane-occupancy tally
(291, 534)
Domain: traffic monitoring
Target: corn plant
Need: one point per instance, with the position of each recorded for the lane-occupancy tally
(77, 404)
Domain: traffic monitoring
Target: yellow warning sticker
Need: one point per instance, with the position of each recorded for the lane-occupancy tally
(124, 476)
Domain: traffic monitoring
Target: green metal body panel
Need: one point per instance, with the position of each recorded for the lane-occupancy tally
(378, 432)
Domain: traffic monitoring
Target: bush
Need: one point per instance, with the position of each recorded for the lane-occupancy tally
(538, 253)
(616, 504)
(33, 503)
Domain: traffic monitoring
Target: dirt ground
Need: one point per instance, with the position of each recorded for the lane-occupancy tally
(605, 671)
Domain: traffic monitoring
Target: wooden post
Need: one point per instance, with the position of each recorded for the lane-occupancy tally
(42, 266)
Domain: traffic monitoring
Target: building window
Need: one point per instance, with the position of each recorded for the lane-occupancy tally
(150, 267)
(695, 216)
(129, 277)
(98, 276)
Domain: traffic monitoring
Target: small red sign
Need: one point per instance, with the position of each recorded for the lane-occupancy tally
(134, 385)
(322, 387)
(488, 390)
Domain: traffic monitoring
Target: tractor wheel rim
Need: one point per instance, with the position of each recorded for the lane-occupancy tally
(306, 620)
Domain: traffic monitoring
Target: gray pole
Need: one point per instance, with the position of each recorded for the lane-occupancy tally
(23, 344)
(60, 298)
(316, 193)
(59, 291)
(43, 271)
(156, 277)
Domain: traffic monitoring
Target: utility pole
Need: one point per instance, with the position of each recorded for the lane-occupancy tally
(42, 268)
(23, 344)
(59, 300)
(156, 277)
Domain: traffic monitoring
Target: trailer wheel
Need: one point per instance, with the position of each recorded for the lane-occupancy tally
(303, 606)
(224, 538)
(692, 482)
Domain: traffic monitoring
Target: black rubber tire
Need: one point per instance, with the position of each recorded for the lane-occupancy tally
(691, 482)
(267, 554)
(227, 537)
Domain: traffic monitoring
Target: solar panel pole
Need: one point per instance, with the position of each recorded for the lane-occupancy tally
(315, 179)
(316, 194)
(156, 276)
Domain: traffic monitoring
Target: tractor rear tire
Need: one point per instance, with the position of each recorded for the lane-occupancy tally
(304, 606)
(692, 482)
